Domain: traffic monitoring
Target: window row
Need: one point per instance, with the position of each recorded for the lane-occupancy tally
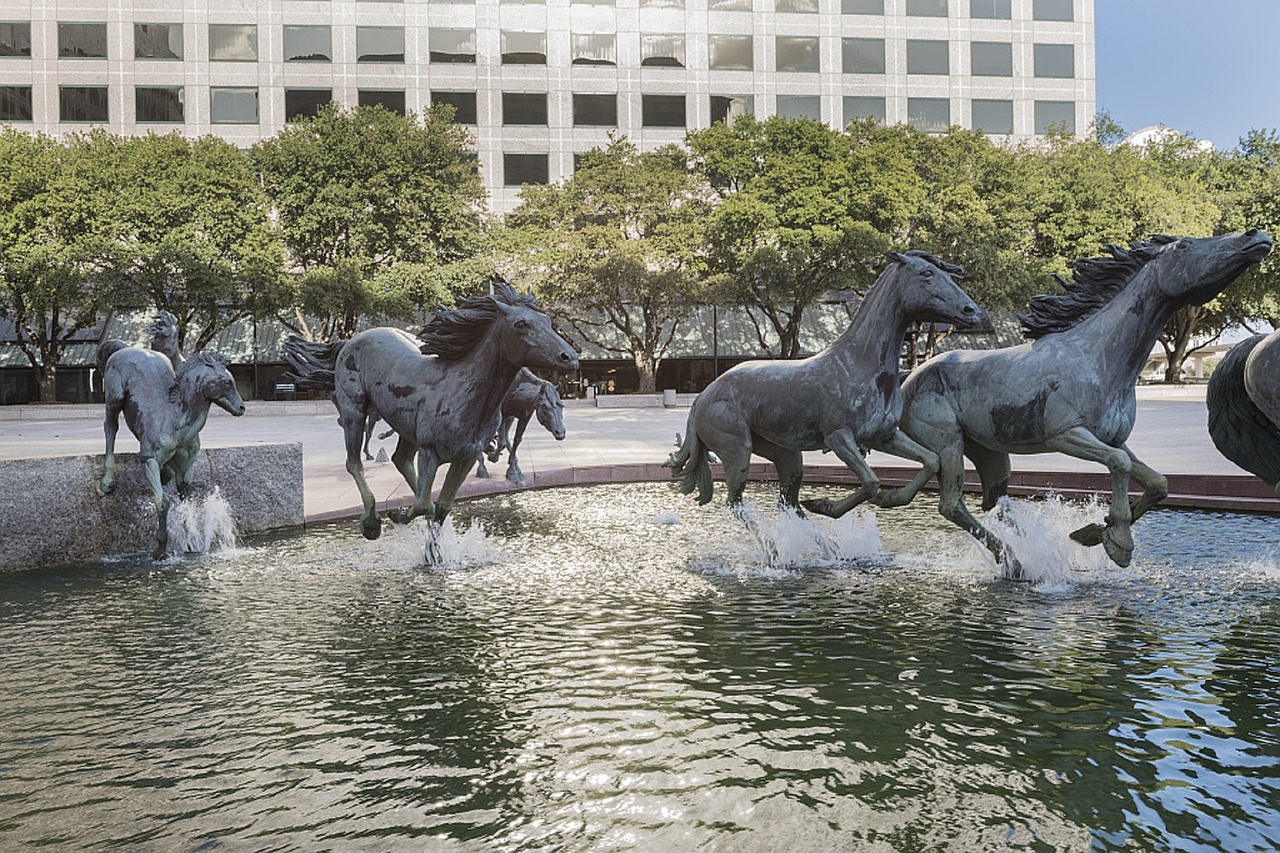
(239, 105)
(234, 42)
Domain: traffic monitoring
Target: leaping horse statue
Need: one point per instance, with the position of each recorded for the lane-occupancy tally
(441, 393)
(1071, 388)
(165, 409)
(528, 398)
(845, 399)
(1244, 407)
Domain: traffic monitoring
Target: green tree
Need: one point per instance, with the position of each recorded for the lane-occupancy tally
(52, 240)
(782, 232)
(615, 250)
(366, 189)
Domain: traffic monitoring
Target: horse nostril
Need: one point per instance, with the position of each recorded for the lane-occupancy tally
(970, 309)
(564, 356)
(1252, 232)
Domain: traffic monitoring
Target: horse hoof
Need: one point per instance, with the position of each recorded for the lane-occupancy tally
(1119, 546)
(1089, 535)
(516, 478)
(159, 553)
(822, 506)
(371, 527)
(105, 488)
(1011, 568)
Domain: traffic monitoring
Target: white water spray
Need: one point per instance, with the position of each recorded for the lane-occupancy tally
(199, 525)
(787, 539)
(422, 542)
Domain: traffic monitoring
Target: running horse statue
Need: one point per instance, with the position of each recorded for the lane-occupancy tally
(529, 397)
(1071, 388)
(845, 399)
(165, 409)
(441, 393)
(1244, 407)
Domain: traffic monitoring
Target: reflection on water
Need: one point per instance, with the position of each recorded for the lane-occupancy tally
(602, 674)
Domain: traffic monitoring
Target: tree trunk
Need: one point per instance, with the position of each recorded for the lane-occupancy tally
(48, 378)
(647, 367)
(1178, 333)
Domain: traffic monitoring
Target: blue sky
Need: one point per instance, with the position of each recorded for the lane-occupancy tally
(1208, 68)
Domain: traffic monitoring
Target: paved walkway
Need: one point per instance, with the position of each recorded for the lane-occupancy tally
(630, 443)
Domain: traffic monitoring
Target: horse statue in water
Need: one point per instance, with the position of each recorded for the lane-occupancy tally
(529, 397)
(844, 399)
(1071, 388)
(441, 393)
(165, 410)
(1244, 407)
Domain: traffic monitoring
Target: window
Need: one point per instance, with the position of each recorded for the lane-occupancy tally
(993, 117)
(662, 110)
(380, 44)
(15, 38)
(796, 54)
(233, 43)
(594, 49)
(1000, 10)
(932, 115)
(452, 45)
(662, 50)
(308, 44)
(16, 103)
(463, 103)
(991, 59)
(158, 104)
(726, 108)
(1055, 115)
(520, 169)
(926, 56)
(730, 53)
(1055, 60)
(82, 41)
(862, 7)
(82, 103)
(1052, 10)
(800, 106)
(392, 100)
(863, 56)
(524, 48)
(808, 7)
(728, 5)
(233, 105)
(927, 8)
(863, 106)
(524, 108)
(157, 41)
(595, 110)
(304, 103)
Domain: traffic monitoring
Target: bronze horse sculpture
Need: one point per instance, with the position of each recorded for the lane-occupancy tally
(1071, 388)
(1243, 398)
(845, 399)
(165, 410)
(529, 397)
(441, 393)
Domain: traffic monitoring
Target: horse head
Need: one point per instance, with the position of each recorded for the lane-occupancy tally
(927, 285)
(1193, 270)
(206, 376)
(550, 410)
(529, 339)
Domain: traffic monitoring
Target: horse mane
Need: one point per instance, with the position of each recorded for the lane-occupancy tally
(454, 332)
(954, 270)
(200, 360)
(1095, 282)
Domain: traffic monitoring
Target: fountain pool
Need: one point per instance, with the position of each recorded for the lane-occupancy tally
(615, 669)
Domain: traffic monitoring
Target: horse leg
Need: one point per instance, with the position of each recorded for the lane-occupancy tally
(427, 465)
(110, 427)
(402, 458)
(370, 423)
(952, 507)
(790, 467)
(901, 444)
(481, 471)
(151, 468)
(514, 474)
(353, 427)
(845, 446)
(1116, 536)
(1155, 487)
(454, 477)
(993, 470)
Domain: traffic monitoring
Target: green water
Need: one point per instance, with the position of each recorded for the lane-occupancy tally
(599, 673)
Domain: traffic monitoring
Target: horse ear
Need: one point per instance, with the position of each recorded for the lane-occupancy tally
(894, 257)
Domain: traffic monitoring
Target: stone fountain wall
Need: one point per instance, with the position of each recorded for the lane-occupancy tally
(51, 512)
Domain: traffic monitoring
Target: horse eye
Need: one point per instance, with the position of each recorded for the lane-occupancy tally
(522, 324)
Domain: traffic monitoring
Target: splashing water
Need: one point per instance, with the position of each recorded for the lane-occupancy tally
(442, 546)
(788, 539)
(200, 525)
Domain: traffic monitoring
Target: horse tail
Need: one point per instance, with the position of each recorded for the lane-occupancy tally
(106, 349)
(1239, 429)
(312, 363)
(690, 464)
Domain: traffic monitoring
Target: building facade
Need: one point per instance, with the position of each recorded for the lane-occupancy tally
(539, 82)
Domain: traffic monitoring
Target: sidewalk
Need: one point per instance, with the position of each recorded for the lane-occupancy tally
(626, 444)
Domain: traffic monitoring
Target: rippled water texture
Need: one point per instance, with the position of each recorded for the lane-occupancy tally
(615, 669)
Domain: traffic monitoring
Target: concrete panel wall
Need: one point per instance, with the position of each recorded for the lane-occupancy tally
(50, 510)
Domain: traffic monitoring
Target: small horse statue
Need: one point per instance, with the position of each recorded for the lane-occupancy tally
(165, 410)
(1071, 388)
(164, 337)
(844, 399)
(441, 393)
(1244, 407)
(528, 397)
